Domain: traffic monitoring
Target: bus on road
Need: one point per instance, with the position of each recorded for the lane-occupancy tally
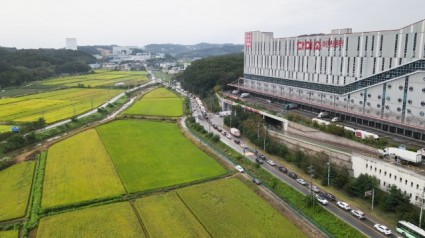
(409, 230)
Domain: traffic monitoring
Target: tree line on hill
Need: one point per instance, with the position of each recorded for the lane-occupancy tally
(213, 73)
(20, 66)
(200, 50)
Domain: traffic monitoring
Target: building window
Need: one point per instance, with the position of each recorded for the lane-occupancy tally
(400, 87)
(399, 100)
(379, 171)
(395, 177)
(389, 86)
(423, 104)
(369, 95)
(379, 96)
(385, 173)
(411, 184)
(409, 101)
(390, 175)
(417, 186)
(366, 166)
(411, 89)
(398, 109)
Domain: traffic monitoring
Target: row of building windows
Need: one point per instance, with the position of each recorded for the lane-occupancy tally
(400, 180)
(319, 64)
(289, 46)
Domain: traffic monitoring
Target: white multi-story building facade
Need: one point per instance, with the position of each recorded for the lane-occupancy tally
(410, 182)
(376, 79)
(71, 43)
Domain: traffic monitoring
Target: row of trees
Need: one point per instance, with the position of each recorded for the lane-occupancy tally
(20, 66)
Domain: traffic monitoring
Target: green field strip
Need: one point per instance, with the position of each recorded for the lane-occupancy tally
(78, 170)
(15, 189)
(112, 220)
(165, 215)
(150, 155)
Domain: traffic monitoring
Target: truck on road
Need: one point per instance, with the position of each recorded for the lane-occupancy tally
(399, 154)
(224, 113)
(244, 95)
(290, 106)
(235, 132)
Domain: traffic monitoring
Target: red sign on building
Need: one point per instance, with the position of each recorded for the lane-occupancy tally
(248, 39)
(300, 45)
(318, 45)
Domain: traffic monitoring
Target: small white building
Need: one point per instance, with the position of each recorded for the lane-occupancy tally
(409, 179)
(71, 43)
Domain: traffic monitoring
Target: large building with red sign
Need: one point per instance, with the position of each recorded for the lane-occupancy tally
(376, 79)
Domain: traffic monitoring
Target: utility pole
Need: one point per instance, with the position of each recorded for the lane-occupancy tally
(422, 207)
(373, 197)
(329, 171)
(310, 170)
(258, 130)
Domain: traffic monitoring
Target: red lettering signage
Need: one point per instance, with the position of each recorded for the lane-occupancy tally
(248, 39)
(318, 45)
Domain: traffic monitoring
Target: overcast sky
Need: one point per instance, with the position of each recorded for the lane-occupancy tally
(46, 23)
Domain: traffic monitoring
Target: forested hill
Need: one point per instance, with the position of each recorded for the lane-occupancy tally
(204, 74)
(19, 66)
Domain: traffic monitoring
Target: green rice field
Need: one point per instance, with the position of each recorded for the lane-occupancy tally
(5, 128)
(113, 220)
(15, 189)
(102, 78)
(166, 215)
(150, 155)
(9, 234)
(228, 208)
(158, 102)
(55, 105)
(79, 169)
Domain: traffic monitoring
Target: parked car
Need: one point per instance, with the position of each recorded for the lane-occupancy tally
(271, 162)
(301, 181)
(321, 199)
(314, 188)
(262, 157)
(329, 196)
(383, 229)
(343, 205)
(336, 119)
(258, 160)
(237, 141)
(229, 136)
(256, 181)
(239, 168)
(255, 152)
(283, 169)
(359, 214)
(219, 129)
(244, 146)
(224, 133)
(292, 175)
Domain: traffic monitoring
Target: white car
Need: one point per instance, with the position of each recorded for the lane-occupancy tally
(383, 229)
(314, 188)
(239, 168)
(357, 213)
(301, 181)
(271, 162)
(321, 199)
(229, 136)
(244, 146)
(343, 205)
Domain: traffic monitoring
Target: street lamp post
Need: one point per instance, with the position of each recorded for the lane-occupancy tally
(258, 130)
(265, 135)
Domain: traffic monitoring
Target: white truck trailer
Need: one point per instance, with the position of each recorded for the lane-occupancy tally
(235, 132)
(402, 155)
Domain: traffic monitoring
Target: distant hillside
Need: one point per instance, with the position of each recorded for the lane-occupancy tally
(95, 49)
(201, 50)
(19, 66)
